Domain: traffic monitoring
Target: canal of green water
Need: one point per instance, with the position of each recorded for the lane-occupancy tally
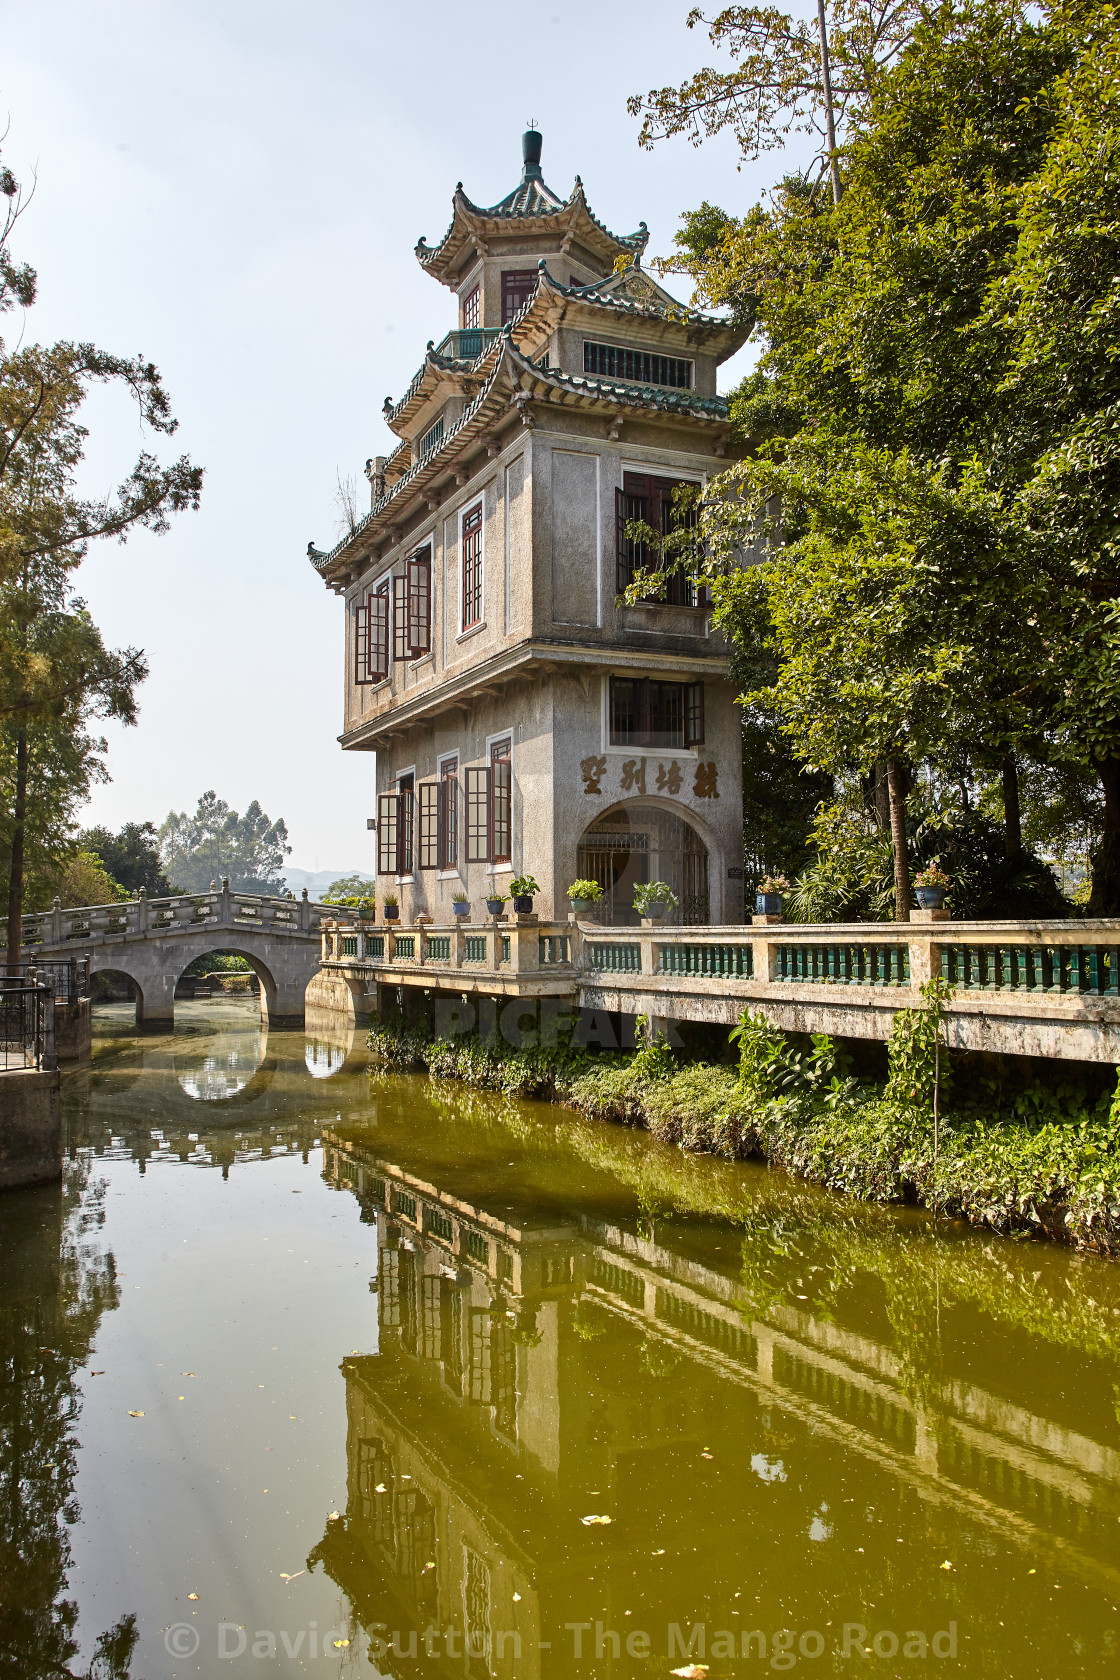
(310, 1369)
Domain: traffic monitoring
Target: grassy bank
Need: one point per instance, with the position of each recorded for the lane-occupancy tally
(1045, 1163)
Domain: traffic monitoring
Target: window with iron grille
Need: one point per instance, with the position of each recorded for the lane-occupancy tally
(432, 438)
(501, 801)
(418, 604)
(645, 713)
(641, 366)
(655, 502)
(470, 315)
(472, 566)
(518, 286)
(478, 814)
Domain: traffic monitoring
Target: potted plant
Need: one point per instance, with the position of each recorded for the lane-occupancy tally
(771, 893)
(366, 910)
(494, 902)
(654, 899)
(931, 885)
(583, 894)
(391, 906)
(523, 888)
(460, 903)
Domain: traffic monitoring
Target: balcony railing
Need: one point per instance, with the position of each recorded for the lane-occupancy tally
(466, 344)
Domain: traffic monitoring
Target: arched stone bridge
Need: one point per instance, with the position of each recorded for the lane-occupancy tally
(151, 942)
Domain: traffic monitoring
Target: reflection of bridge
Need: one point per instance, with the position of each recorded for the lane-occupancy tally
(534, 1370)
(151, 942)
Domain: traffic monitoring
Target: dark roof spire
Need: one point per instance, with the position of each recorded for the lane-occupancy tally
(531, 142)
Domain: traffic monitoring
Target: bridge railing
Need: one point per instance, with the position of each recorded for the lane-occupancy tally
(143, 916)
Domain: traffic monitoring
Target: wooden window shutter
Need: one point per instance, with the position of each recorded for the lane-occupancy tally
(501, 803)
(478, 814)
(693, 714)
(362, 662)
(379, 634)
(406, 824)
(624, 568)
(400, 618)
(387, 808)
(419, 634)
(429, 824)
(448, 817)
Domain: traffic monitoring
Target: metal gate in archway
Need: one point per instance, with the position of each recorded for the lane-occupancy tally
(645, 843)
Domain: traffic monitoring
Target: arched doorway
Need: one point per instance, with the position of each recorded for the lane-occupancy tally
(645, 842)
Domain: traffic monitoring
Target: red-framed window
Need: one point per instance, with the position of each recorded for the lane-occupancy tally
(418, 607)
(518, 286)
(472, 566)
(501, 801)
(471, 318)
(400, 617)
(646, 713)
(646, 498)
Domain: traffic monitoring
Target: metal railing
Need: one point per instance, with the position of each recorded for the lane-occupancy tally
(67, 976)
(26, 1025)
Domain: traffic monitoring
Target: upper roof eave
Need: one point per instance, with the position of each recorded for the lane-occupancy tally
(545, 213)
(524, 381)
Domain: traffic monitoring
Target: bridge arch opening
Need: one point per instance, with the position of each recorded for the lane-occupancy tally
(647, 840)
(266, 980)
(109, 987)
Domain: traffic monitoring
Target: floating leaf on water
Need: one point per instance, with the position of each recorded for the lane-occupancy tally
(588, 1521)
(284, 1576)
(694, 1671)
(946, 1564)
(381, 1488)
(192, 1595)
(136, 1414)
(333, 1517)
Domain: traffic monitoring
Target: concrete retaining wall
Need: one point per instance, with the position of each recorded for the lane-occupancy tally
(30, 1128)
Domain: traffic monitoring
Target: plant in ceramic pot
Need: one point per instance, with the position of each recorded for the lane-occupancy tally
(523, 889)
(583, 895)
(771, 895)
(931, 884)
(391, 907)
(366, 910)
(460, 903)
(494, 902)
(654, 899)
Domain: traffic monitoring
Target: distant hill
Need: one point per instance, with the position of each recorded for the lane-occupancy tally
(318, 880)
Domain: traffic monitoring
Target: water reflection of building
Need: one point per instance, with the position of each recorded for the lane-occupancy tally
(531, 1374)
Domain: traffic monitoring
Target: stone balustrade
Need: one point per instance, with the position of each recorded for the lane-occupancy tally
(220, 907)
(1044, 988)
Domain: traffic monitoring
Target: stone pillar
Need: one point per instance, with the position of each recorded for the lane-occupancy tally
(56, 921)
(524, 945)
(142, 910)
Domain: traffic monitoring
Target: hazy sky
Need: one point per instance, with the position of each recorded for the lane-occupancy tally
(236, 189)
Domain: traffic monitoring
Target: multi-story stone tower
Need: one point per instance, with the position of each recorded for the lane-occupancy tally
(525, 720)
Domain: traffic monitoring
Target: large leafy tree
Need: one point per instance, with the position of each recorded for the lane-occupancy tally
(216, 841)
(130, 857)
(56, 675)
(935, 407)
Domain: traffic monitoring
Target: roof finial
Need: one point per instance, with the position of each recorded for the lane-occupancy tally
(531, 142)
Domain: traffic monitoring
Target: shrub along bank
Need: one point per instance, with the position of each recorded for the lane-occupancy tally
(1045, 1164)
